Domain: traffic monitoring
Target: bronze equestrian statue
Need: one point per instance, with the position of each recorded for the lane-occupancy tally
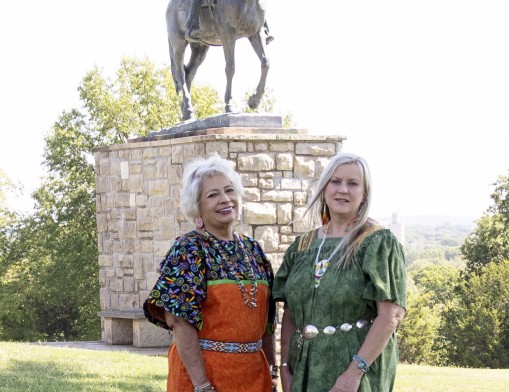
(204, 23)
(193, 24)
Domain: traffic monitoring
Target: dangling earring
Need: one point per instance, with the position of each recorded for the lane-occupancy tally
(325, 214)
(198, 221)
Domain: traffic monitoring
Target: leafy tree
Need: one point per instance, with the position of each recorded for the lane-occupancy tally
(422, 337)
(456, 317)
(419, 329)
(478, 322)
(5, 186)
(489, 243)
(140, 99)
(8, 223)
(439, 282)
(48, 266)
(48, 269)
(419, 332)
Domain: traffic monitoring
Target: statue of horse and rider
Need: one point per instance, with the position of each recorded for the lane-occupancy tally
(204, 23)
(192, 25)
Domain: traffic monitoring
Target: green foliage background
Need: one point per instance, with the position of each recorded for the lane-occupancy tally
(458, 283)
(49, 275)
(459, 292)
(49, 286)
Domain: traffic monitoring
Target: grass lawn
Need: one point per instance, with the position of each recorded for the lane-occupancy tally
(25, 367)
(414, 378)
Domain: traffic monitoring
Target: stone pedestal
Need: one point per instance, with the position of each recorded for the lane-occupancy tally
(117, 328)
(131, 327)
(224, 123)
(146, 334)
(138, 197)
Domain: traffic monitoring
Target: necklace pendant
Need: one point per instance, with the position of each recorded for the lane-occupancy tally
(237, 261)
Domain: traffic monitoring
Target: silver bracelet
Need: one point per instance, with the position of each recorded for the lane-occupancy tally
(204, 387)
(361, 363)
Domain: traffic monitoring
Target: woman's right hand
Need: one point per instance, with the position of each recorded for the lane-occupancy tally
(188, 346)
(286, 378)
(287, 331)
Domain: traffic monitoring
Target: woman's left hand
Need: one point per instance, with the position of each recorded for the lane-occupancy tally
(349, 381)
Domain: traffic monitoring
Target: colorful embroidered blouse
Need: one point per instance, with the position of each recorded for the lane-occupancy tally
(192, 262)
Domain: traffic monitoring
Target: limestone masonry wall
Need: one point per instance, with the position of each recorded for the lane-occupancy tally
(138, 214)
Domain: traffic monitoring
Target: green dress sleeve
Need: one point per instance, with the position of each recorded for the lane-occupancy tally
(383, 263)
(278, 291)
(302, 244)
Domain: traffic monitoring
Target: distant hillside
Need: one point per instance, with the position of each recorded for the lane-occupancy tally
(434, 239)
(433, 236)
(431, 220)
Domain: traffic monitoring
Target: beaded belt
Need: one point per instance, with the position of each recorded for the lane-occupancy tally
(310, 331)
(230, 347)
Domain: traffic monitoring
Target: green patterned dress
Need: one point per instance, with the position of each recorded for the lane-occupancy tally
(343, 296)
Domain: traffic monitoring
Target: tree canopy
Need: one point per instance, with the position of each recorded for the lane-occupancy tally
(489, 242)
(49, 287)
(48, 266)
(49, 284)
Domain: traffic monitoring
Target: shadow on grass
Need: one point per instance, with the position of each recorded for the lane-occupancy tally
(30, 375)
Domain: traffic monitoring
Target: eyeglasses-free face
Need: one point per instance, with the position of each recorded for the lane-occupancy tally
(218, 202)
(344, 192)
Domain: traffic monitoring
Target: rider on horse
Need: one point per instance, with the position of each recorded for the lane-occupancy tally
(193, 24)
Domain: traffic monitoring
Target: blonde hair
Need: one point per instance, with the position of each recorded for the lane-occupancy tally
(363, 225)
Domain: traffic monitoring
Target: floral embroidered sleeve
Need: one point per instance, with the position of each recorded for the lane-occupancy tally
(181, 287)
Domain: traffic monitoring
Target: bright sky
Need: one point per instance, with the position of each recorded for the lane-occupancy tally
(419, 88)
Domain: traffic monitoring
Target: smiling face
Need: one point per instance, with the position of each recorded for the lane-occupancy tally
(344, 192)
(218, 202)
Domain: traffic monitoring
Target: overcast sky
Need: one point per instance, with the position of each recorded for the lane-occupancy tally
(419, 88)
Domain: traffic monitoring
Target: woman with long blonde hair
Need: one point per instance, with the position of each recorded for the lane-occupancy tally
(343, 285)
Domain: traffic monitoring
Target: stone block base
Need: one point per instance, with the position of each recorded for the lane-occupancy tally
(146, 334)
(117, 331)
(131, 327)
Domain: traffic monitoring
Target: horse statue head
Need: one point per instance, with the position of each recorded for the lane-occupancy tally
(221, 23)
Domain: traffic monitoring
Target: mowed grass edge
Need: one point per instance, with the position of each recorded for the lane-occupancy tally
(25, 367)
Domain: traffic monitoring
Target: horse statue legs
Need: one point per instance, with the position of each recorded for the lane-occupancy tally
(183, 75)
(258, 44)
(222, 22)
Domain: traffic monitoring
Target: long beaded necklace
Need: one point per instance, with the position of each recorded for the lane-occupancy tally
(251, 303)
(321, 265)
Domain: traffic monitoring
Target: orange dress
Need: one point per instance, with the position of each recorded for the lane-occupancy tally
(213, 303)
(227, 319)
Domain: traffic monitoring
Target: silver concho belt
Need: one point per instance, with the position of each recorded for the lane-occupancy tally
(310, 331)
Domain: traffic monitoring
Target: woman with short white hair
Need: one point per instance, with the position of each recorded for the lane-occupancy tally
(214, 291)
